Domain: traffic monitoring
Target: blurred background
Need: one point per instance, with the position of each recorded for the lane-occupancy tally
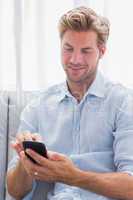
(30, 45)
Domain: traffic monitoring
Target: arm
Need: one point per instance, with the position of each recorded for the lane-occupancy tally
(18, 181)
(113, 185)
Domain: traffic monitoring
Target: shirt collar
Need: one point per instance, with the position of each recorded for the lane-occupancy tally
(97, 88)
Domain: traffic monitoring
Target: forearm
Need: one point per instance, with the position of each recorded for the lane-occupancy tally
(18, 181)
(114, 185)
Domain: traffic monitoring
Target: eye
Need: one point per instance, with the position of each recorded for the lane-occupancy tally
(69, 49)
(87, 51)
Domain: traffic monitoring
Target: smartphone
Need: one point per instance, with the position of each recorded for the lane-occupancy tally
(38, 147)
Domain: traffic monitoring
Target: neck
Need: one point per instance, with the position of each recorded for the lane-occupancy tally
(78, 89)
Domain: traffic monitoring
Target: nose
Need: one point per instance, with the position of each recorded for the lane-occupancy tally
(76, 58)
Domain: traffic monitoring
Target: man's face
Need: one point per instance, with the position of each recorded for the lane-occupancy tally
(80, 54)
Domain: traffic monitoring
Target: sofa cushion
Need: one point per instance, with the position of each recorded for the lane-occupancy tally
(3, 141)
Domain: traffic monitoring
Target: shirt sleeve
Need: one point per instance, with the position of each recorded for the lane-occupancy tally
(29, 119)
(123, 136)
(29, 196)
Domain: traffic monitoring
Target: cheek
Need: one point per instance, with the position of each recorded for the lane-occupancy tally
(92, 60)
(65, 58)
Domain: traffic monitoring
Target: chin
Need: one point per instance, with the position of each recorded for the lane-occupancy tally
(75, 80)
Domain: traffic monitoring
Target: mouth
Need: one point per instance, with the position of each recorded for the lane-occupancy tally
(76, 69)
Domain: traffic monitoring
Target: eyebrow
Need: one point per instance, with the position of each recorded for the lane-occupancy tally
(84, 48)
(67, 44)
(87, 48)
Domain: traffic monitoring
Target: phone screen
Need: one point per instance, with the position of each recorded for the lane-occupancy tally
(38, 147)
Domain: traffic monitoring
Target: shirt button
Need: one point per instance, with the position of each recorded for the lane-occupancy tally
(77, 128)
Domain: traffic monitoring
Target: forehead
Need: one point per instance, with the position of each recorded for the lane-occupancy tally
(82, 38)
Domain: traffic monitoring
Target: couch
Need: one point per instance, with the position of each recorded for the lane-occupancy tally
(11, 105)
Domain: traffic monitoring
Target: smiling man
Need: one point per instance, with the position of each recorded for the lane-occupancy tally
(86, 124)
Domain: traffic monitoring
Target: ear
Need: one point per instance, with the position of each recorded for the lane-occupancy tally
(102, 49)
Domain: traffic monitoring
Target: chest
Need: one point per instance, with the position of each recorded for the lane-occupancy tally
(87, 128)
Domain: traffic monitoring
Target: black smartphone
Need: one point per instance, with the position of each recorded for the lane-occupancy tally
(38, 147)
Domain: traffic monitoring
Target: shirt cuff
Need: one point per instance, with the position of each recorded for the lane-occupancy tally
(29, 196)
(128, 172)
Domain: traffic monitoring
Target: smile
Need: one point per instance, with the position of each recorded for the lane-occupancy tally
(76, 69)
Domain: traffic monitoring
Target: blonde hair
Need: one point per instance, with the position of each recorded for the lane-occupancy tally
(85, 19)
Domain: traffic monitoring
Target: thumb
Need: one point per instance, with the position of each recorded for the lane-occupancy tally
(16, 146)
(55, 156)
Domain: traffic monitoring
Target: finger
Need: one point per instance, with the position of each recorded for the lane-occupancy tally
(55, 156)
(24, 158)
(19, 139)
(31, 168)
(16, 146)
(27, 136)
(23, 136)
(27, 163)
(37, 137)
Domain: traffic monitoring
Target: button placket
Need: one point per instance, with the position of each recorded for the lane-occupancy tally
(76, 129)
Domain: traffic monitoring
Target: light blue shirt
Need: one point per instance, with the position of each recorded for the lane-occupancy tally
(97, 133)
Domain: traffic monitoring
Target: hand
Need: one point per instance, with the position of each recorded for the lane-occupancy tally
(17, 144)
(57, 168)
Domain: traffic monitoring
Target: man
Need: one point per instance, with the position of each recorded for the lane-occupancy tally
(86, 123)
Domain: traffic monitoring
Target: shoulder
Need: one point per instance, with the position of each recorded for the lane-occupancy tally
(116, 91)
(119, 96)
(48, 96)
(52, 94)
